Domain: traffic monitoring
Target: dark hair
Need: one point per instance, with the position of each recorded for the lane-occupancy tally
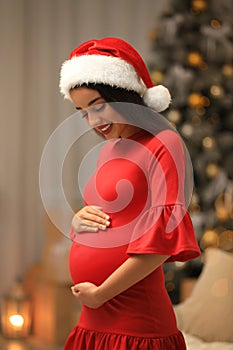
(115, 94)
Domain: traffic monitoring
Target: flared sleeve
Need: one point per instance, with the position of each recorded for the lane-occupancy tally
(165, 227)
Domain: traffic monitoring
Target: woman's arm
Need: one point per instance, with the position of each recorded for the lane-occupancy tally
(134, 269)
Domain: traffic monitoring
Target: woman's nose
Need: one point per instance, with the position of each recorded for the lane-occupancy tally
(93, 119)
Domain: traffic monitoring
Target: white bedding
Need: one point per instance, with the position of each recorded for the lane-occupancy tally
(206, 316)
(194, 343)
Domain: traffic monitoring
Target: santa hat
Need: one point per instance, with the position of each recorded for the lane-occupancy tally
(113, 62)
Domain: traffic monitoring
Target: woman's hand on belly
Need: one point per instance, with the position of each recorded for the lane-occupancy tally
(87, 294)
(90, 219)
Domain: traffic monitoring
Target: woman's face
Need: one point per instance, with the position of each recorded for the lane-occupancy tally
(100, 115)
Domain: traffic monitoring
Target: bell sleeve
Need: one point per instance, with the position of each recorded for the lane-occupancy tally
(165, 227)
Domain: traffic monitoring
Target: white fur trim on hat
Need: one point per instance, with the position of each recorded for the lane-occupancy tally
(111, 71)
(108, 70)
(158, 97)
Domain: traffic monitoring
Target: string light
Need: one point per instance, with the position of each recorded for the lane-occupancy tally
(174, 116)
(208, 142)
(216, 91)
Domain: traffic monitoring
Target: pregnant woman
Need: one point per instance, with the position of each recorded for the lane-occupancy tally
(135, 215)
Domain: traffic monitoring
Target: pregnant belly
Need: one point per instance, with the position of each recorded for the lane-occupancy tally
(90, 264)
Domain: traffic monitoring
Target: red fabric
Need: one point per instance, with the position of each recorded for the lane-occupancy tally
(148, 215)
(111, 341)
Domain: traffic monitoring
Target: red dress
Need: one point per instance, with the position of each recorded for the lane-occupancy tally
(139, 182)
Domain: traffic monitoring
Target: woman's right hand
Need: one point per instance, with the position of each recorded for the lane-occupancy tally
(90, 219)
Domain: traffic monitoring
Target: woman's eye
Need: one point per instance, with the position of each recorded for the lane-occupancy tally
(99, 107)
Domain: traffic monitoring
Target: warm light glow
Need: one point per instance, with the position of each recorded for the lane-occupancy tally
(199, 5)
(216, 91)
(16, 321)
(210, 238)
(195, 100)
(212, 170)
(227, 70)
(157, 76)
(208, 142)
(16, 313)
(215, 24)
(195, 59)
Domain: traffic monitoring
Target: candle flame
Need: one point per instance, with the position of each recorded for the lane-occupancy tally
(16, 320)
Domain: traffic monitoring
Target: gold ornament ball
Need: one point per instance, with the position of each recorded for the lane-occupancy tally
(195, 59)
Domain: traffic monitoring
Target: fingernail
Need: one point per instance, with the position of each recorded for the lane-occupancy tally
(93, 229)
(103, 227)
(107, 217)
(107, 223)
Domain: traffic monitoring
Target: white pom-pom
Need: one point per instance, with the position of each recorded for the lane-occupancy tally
(158, 97)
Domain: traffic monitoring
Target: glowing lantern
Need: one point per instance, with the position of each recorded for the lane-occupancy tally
(16, 313)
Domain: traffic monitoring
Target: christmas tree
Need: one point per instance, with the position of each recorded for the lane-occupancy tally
(192, 55)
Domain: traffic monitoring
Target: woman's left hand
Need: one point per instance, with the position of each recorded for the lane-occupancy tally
(87, 294)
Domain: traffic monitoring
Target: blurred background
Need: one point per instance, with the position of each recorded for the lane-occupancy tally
(187, 47)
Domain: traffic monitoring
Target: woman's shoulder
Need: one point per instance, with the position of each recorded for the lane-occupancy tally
(168, 139)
